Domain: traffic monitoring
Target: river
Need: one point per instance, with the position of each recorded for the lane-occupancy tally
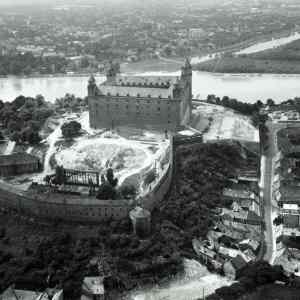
(244, 87)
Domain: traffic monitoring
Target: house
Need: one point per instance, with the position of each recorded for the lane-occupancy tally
(233, 266)
(249, 255)
(208, 255)
(16, 294)
(18, 163)
(93, 288)
(249, 244)
(239, 215)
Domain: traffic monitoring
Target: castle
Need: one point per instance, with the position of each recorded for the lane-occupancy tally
(158, 102)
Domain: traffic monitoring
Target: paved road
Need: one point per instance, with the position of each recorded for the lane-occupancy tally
(270, 209)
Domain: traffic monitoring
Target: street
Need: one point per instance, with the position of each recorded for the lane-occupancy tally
(270, 210)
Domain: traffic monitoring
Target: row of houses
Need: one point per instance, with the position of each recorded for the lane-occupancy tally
(235, 239)
(225, 259)
(92, 289)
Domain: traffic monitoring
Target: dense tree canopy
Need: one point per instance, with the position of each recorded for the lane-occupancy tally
(23, 118)
(71, 129)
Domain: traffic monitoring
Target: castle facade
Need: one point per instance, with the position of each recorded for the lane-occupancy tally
(161, 102)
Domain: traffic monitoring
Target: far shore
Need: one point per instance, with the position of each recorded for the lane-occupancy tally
(174, 64)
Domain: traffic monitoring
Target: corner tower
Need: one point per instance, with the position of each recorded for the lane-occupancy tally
(112, 72)
(187, 94)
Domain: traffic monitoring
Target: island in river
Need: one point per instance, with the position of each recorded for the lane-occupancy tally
(282, 60)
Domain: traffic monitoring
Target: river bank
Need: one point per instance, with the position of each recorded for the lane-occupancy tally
(249, 65)
(278, 56)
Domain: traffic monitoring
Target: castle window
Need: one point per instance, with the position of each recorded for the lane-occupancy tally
(118, 94)
(138, 95)
(158, 108)
(128, 95)
(149, 96)
(108, 94)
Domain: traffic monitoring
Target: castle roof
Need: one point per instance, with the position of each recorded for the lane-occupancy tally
(146, 81)
(140, 86)
(113, 90)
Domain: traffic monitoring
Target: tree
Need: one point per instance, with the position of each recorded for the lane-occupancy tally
(128, 191)
(31, 136)
(19, 102)
(106, 192)
(270, 102)
(60, 175)
(110, 177)
(71, 129)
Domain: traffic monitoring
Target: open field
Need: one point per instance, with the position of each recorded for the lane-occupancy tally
(195, 283)
(220, 123)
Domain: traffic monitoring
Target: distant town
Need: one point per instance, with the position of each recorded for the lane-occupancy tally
(68, 38)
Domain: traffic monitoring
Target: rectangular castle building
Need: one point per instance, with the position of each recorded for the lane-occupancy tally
(153, 102)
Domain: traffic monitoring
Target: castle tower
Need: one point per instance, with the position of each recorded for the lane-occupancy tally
(112, 72)
(92, 86)
(187, 94)
(141, 221)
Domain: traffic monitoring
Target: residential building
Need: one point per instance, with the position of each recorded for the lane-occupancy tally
(233, 266)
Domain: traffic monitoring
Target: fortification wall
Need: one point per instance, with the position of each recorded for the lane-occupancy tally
(80, 209)
(69, 208)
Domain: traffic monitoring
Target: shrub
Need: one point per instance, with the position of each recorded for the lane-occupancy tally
(71, 129)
